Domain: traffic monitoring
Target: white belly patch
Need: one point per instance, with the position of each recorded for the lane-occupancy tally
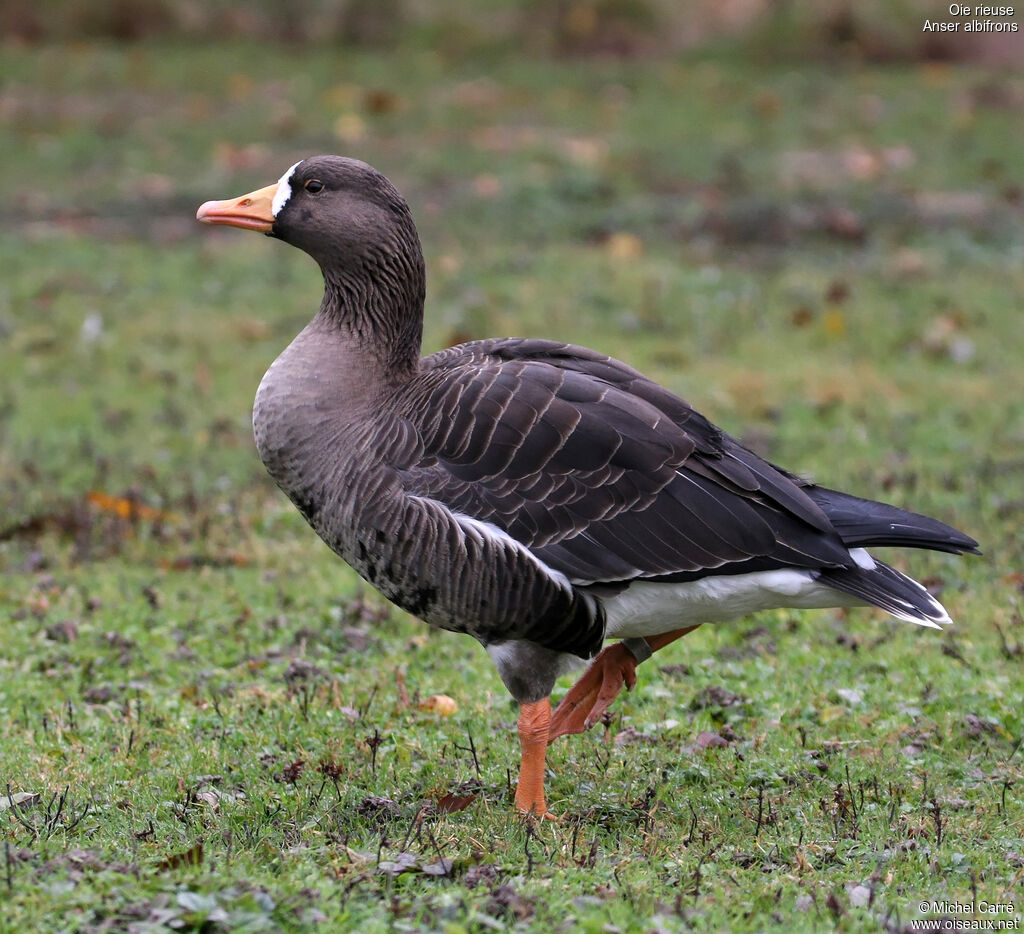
(646, 608)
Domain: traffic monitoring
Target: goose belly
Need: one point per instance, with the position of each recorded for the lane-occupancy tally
(647, 608)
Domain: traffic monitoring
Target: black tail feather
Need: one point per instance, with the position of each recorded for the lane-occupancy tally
(864, 522)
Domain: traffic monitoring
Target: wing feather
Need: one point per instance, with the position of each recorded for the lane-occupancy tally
(600, 472)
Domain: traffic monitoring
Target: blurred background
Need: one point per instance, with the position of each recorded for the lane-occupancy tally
(869, 31)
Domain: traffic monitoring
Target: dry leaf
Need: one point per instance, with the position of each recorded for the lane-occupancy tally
(624, 245)
(382, 101)
(440, 704)
(409, 862)
(125, 508)
(191, 857)
(440, 867)
(404, 862)
(835, 323)
(209, 797)
(22, 799)
(450, 804)
(838, 291)
(708, 740)
(801, 316)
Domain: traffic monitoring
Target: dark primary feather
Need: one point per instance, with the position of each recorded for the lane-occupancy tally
(888, 589)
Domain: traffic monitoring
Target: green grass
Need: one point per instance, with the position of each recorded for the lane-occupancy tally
(207, 704)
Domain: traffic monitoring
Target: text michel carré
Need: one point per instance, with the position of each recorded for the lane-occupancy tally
(974, 25)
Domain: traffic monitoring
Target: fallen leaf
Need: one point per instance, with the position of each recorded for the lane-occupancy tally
(381, 101)
(631, 735)
(801, 316)
(441, 867)
(506, 903)
(835, 323)
(22, 799)
(977, 726)
(190, 857)
(404, 862)
(440, 704)
(409, 862)
(708, 740)
(450, 804)
(624, 245)
(860, 895)
(64, 631)
(837, 292)
(373, 806)
(125, 508)
(715, 696)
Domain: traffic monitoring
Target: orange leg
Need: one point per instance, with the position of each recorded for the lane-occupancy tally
(534, 721)
(601, 683)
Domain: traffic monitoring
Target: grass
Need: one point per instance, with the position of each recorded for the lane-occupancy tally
(211, 725)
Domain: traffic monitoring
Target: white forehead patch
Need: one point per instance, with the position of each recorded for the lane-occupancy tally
(284, 190)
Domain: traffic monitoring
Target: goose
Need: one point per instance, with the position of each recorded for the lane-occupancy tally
(538, 496)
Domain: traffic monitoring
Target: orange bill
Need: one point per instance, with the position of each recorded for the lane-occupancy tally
(253, 211)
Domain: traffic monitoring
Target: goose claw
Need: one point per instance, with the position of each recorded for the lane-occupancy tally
(592, 695)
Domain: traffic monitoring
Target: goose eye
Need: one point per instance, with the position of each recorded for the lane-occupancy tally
(314, 186)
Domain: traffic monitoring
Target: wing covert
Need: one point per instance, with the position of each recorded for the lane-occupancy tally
(568, 452)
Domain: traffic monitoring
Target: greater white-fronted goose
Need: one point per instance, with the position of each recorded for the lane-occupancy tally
(538, 496)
